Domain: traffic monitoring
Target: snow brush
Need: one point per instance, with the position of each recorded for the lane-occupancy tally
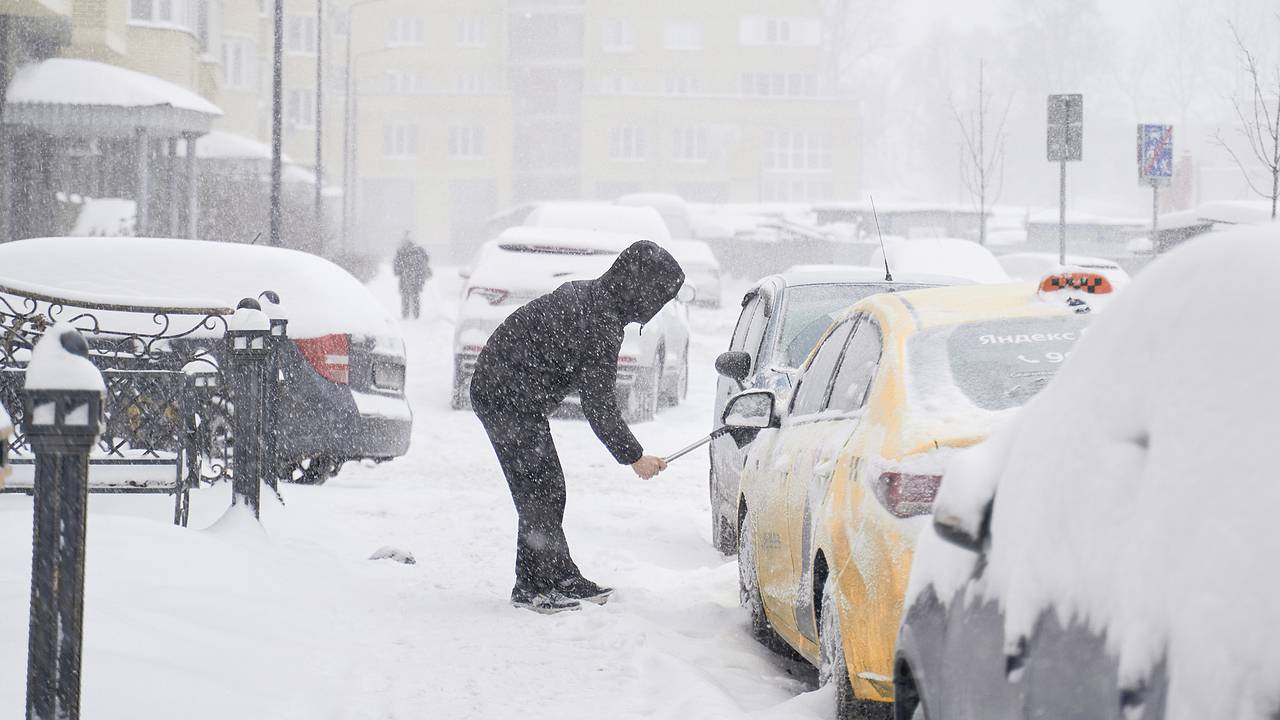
(686, 450)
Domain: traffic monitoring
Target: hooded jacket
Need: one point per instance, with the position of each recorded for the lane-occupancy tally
(569, 340)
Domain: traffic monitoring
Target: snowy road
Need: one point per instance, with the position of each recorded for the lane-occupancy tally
(300, 624)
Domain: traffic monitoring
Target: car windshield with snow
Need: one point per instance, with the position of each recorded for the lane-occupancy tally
(841, 476)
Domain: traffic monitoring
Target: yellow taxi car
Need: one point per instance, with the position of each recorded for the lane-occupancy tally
(838, 484)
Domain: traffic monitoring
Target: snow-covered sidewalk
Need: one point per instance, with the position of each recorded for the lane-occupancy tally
(297, 622)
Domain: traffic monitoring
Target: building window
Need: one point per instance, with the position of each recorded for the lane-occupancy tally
(300, 34)
(616, 84)
(300, 108)
(407, 31)
(796, 31)
(339, 20)
(400, 140)
(616, 36)
(682, 35)
(472, 82)
(796, 151)
(168, 12)
(472, 32)
(406, 83)
(780, 84)
(690, 145)
(627, 143)
(240, 63)
(209, 26)
(681, 85)
(466, 142)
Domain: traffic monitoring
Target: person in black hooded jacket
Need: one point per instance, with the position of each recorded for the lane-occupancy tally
(562, 342)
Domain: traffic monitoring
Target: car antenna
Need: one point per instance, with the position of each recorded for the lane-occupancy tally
(888, 276)
(256, 238)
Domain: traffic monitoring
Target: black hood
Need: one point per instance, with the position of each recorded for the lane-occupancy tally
(643, 279)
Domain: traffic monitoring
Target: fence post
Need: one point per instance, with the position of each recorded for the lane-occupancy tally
(62, 418)
(248, 349)
(275, 381)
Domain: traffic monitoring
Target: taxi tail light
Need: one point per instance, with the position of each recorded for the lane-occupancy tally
(905, 494)
(494, 296)
(330, 355)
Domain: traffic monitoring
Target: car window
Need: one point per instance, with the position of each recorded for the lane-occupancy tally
(755, 333)
(857, 368)
(810, 310)
(811, 396)
(744, 321)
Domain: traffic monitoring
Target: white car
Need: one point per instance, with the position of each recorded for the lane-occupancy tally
(700, 268)
(526, 262)
(1034, 266)
(643, 222)
(941, 256)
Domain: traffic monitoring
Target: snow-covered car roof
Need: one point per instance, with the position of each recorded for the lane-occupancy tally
(539, 259)
(694, 253)
(1137, 491)
(1034, 266)
(645, 222)
(319, 297)
(942, 256)
(836, 274)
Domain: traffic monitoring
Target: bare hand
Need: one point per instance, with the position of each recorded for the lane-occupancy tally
(648, 466)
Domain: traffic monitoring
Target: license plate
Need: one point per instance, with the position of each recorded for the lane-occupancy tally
(388, 377)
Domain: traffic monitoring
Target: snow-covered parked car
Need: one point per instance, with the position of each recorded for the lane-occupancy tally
(642, 222)
(783, 316)
(344, 373)
(526, 262)
(941, 256)
(1033, 266)
(1111, 552)
(701, 268)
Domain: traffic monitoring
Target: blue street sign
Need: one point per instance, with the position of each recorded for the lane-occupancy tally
(1155, 153)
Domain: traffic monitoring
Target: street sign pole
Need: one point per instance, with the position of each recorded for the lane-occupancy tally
(1065, 140)
(1155, 167)
(1155, 217)
(1062, 212)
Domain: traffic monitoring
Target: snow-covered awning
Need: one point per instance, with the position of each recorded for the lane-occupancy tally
(223, 145)
(65, 96)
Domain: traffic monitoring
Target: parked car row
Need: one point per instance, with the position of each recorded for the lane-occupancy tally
(955, 514)
(841, 458)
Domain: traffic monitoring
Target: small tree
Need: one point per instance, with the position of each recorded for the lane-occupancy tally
(1259, 121)
(983, 152)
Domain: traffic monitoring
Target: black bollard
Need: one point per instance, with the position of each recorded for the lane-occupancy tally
(249, 348)
(62, 418)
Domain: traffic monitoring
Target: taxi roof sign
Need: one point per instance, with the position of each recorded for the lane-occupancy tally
(1091, 283)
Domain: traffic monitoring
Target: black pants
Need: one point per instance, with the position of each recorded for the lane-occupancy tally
(410, 302)
(529, 460)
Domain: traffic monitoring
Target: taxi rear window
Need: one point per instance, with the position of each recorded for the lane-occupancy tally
(994, 364)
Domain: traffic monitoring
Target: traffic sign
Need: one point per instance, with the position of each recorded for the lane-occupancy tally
(1155, 154)
(1066, 128)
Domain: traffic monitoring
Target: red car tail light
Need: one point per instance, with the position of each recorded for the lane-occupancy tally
(905, 495)
(330, 355)
(626, 360)
(495, 296)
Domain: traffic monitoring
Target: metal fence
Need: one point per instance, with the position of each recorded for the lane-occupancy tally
(170, 406)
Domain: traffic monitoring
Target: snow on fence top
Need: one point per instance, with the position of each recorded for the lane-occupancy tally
(66, 81)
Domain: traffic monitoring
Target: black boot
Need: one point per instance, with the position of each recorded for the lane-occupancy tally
(580, 588)
(546, 603)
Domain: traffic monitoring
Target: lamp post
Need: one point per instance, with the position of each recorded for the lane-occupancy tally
(279, 329)
(62, 418)
(6, 431)
(249, 348)
(277, 120)
(348, 173)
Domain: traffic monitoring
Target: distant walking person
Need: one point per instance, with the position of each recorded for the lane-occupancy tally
(565, 341)
(413, 266)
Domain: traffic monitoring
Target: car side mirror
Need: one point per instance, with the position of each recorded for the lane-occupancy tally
(687, 293)
(968, 531)
(751, 410)
(735, 365)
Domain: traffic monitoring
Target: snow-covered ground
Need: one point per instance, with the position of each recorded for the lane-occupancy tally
(296, 622)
